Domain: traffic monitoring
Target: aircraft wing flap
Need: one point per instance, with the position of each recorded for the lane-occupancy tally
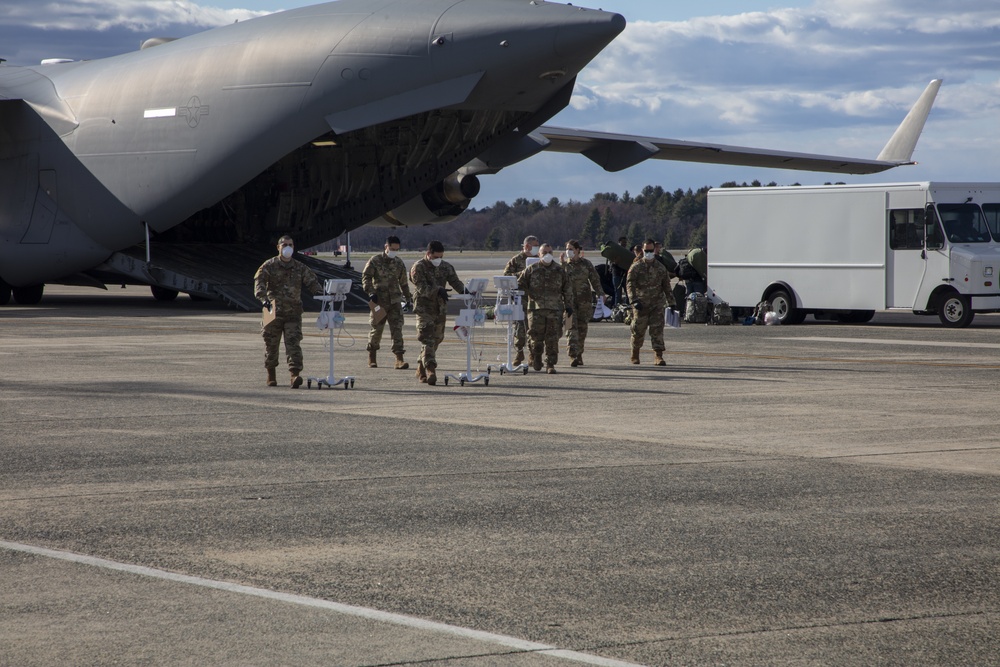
(619, 151)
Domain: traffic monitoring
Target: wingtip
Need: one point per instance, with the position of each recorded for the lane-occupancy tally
(903, 142)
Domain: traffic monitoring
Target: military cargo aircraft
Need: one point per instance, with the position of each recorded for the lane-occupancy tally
(178, 165)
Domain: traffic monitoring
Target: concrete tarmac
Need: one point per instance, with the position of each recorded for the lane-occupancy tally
(823, 494)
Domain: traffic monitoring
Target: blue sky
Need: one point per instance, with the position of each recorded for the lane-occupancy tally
(832, 77)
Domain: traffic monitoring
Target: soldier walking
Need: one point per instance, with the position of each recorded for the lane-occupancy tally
(278, 285)
(384, 281)
(585, 283)
(648, 286)
(548, 291)
(430, 276)
(515, 266)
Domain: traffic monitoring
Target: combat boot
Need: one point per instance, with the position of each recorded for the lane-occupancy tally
(519, 357)
(635, 356)
(272, 380)
(372, 363)
(400, 364)
(551, 370)
(296, 381)
(659, 358)
(421, 372)
(577, 361)
(432, 378)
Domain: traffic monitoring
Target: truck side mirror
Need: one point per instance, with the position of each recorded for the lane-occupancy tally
(933, 236)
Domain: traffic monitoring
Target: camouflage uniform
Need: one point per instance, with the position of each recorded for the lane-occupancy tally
(584, 283)
(386, 279)
(431, 310)
(514, 268)
(281, 283)
(548, 292)
(648, 283)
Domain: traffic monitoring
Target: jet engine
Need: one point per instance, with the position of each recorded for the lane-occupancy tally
(442, 203)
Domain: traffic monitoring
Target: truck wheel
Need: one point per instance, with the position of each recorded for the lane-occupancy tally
(28, 296)
(162, 293)
(783, 306)
(954, 310)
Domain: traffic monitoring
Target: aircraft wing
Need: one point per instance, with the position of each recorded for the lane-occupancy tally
(615, 152)
(24, 85)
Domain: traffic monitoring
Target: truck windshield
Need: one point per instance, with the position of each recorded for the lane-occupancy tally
(964, 223)
(992, 212)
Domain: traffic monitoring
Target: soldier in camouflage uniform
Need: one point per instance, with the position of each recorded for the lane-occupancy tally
(515, 266)
(278, 285)
(648, 286)
(549, 294)
(429, 276)
(585, 284)
(384, 281)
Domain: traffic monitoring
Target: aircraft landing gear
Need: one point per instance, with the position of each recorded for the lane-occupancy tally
(28, 296)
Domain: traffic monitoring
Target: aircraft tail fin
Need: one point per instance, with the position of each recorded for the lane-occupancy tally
(904, 139)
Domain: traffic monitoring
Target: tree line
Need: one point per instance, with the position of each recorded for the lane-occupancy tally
(677, 218)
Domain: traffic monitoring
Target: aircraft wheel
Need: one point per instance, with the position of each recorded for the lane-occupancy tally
(28, 296)
(162, 293)
(953, 310)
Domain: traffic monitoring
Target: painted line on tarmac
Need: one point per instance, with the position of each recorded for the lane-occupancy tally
(912, 343)
(347, 610)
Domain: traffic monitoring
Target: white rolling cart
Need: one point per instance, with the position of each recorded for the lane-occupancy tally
(508, 309)
(331, 318)
(471, 317)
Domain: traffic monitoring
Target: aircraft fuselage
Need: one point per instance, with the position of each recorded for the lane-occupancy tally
(223, 128)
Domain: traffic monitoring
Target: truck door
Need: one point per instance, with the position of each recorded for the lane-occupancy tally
(906, 263)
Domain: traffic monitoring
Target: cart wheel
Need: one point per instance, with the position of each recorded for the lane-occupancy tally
(461, 383)
(352, 384)
(525, 371)
(309, 384)
(346, 386)
(501, 370)
(446, 382)
(486, 382)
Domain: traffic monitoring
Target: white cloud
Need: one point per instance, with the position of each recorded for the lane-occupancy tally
(135, 15)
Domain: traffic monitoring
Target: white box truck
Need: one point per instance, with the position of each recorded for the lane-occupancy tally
(842, 252)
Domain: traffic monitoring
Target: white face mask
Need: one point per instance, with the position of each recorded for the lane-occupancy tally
(391, 254)
(649, 256)
(570, 254)
(436, 262)
(287, 252)
(533, 251)
(547, 258)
